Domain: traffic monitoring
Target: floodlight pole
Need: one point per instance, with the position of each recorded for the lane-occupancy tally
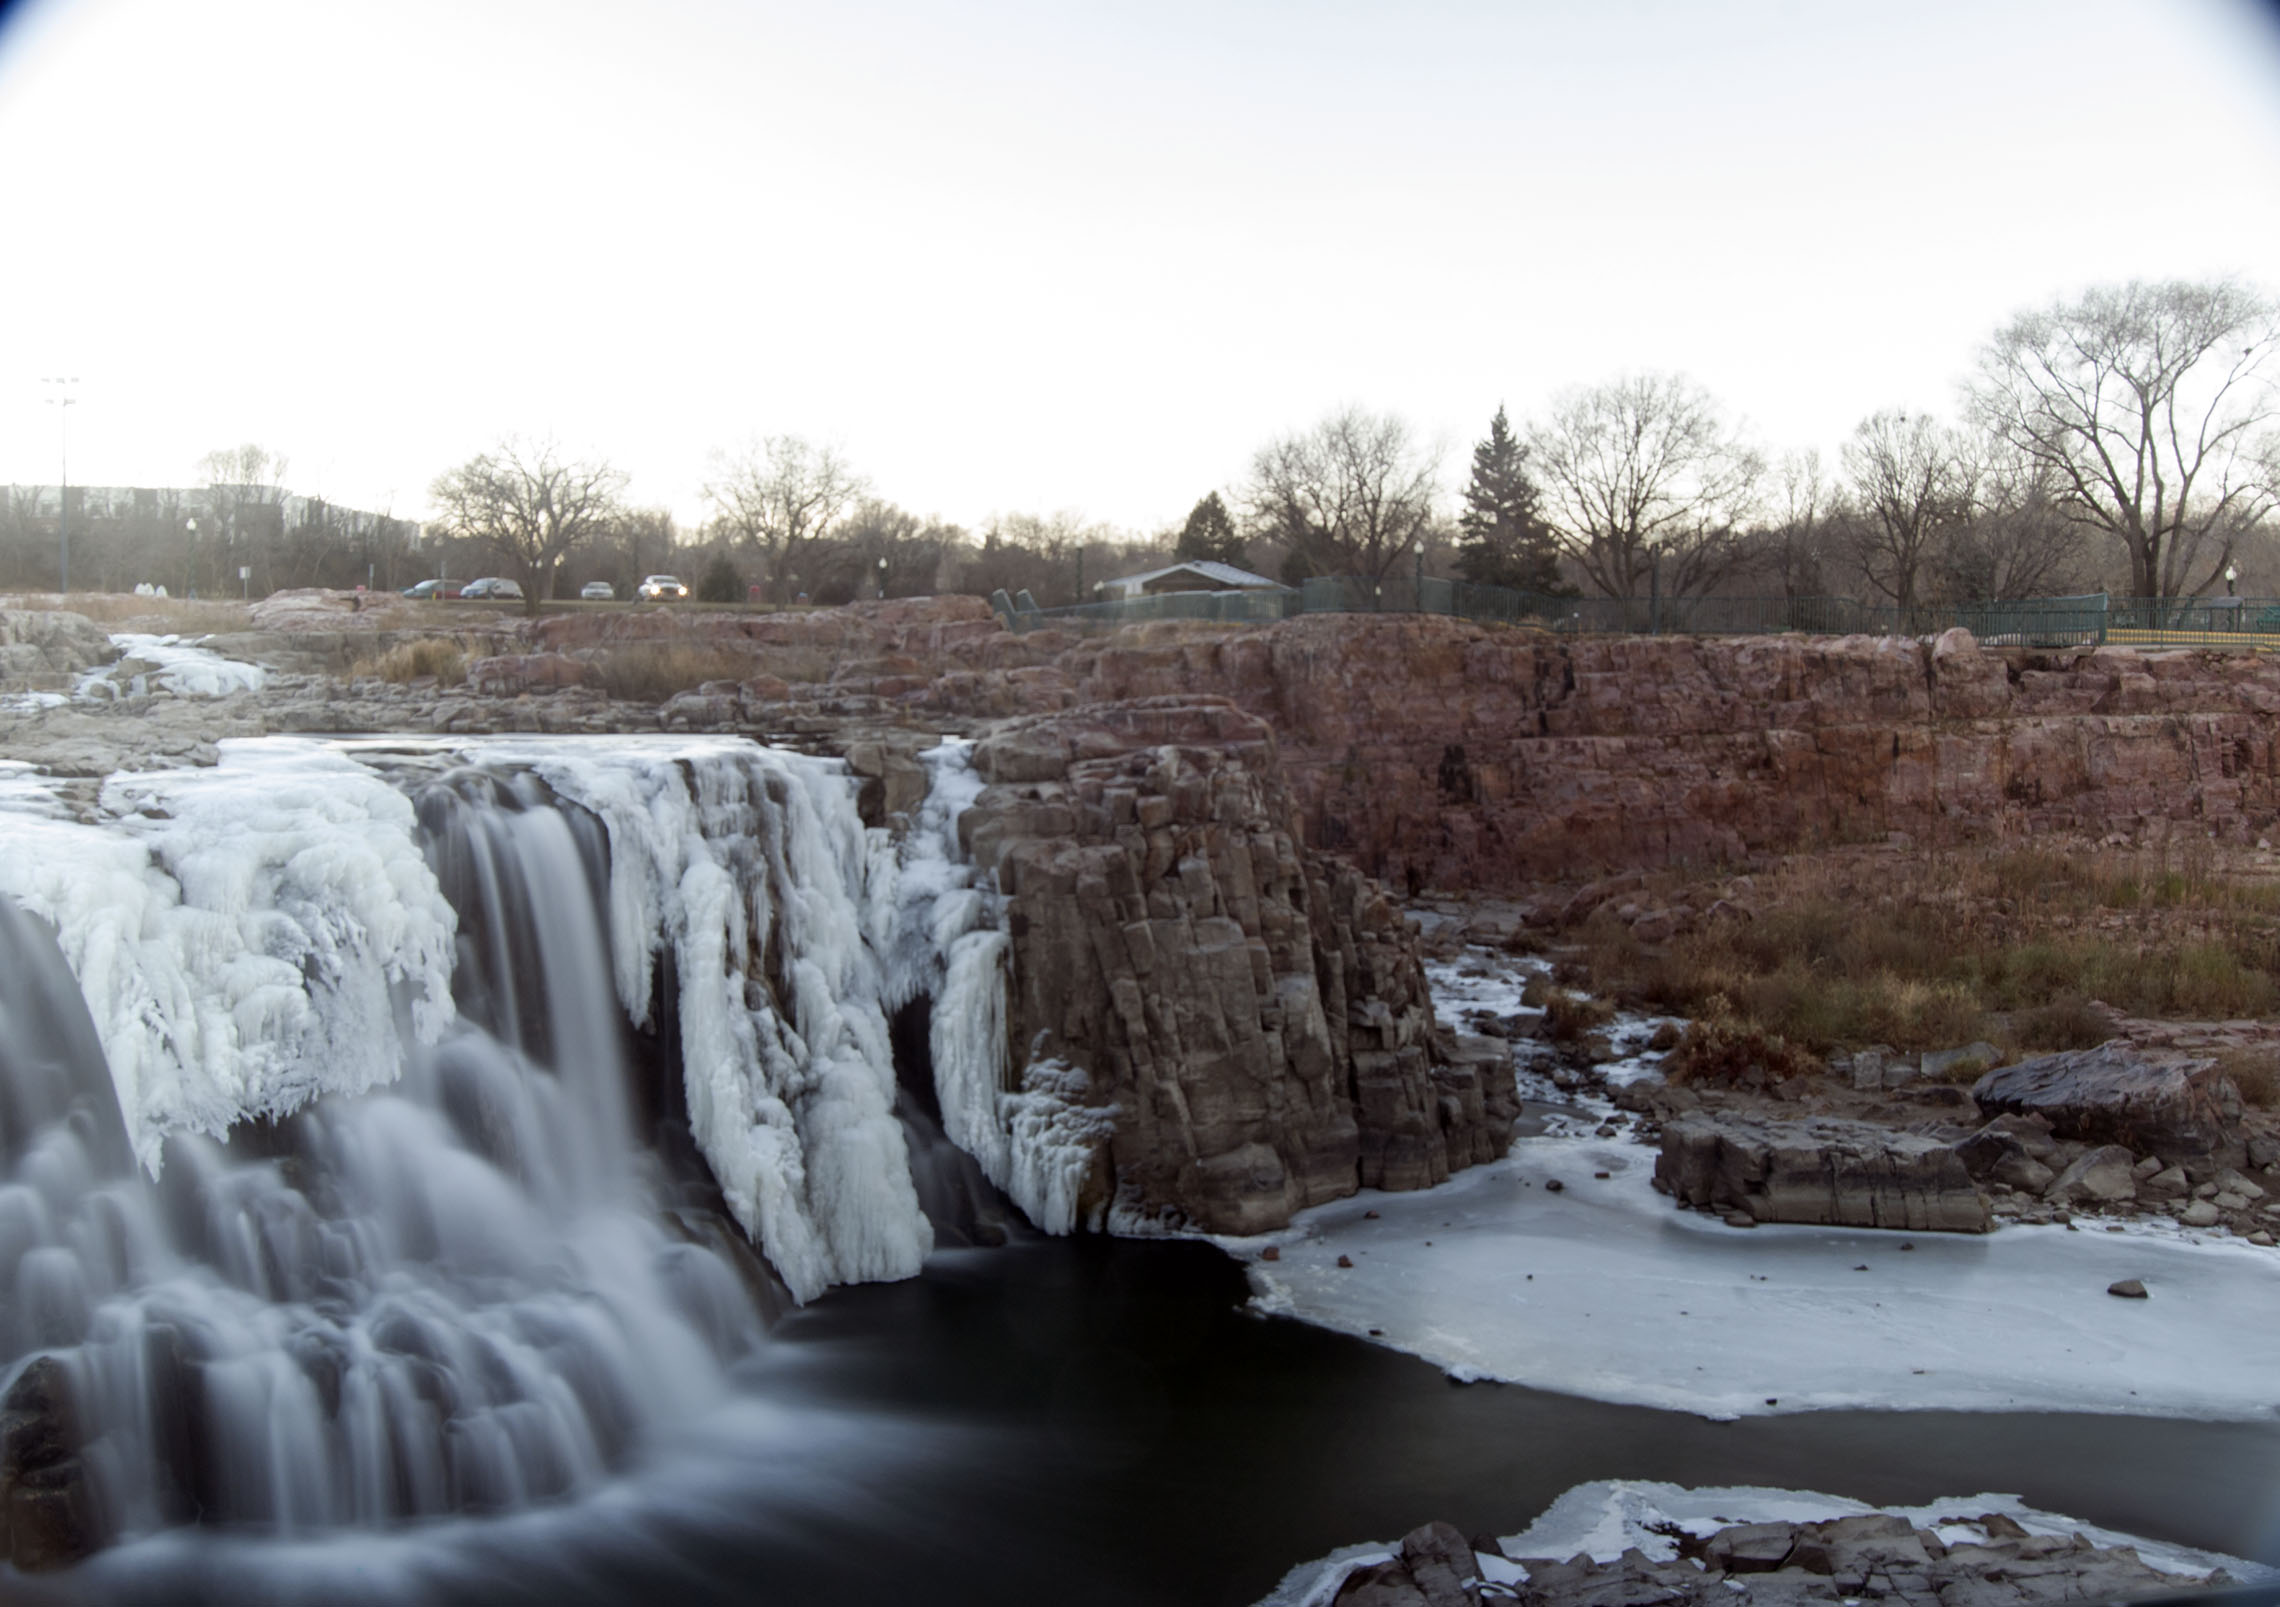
(61, 400)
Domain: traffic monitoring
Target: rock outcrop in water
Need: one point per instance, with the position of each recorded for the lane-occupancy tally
(1846, 1174)
(1258, 1011)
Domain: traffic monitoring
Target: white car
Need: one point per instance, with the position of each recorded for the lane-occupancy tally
(598, 591)
(662, 589)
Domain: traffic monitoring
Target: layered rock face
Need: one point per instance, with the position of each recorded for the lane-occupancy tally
(1258, 1011)
(1437, 752)
(1848, 1174)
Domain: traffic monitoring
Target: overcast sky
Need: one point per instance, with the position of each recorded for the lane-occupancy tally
(1031, 257)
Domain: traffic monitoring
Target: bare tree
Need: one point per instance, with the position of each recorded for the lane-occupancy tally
(2149, 407)
(1646, 470)
(1795, 544)
(1354, 495)
(530, 506)
(2017, 541)
(783, 497)
(1912, 486)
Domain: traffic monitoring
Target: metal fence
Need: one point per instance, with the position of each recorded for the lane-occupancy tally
(2089, 620)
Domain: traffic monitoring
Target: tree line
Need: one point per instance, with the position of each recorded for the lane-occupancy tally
(2122, 440)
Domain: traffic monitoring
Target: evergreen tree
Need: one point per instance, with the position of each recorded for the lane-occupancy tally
(1209, 535)
(1506, 540)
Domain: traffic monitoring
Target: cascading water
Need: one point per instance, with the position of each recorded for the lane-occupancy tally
(327, 1202)
(455, 1295)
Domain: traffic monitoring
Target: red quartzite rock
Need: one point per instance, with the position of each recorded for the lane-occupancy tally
(1439, 752)
(1258, 1011)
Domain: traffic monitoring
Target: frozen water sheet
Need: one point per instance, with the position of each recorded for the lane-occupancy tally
(1604, 1289)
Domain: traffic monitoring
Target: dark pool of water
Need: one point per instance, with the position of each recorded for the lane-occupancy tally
(1102, 1422)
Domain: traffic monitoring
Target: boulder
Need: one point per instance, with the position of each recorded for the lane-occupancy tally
(1849, 1174)
(1433, 1569)
(46, 1506)
(2172, 1106)
(2104, 1175)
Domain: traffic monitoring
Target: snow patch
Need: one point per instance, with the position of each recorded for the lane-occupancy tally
(184, 667)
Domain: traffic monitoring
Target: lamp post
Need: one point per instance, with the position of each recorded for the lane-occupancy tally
(61, 400)
(2232, 575)
(882, 580)
(191, 525)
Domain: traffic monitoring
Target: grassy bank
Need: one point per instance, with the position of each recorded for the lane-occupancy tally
(1927, 951)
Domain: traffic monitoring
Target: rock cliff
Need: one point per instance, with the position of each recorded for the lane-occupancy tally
(1256, 1009)
(1436, 752)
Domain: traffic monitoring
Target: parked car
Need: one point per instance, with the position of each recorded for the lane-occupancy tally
(493, 587)
(429, 590)
(662, 589)
(598, 591)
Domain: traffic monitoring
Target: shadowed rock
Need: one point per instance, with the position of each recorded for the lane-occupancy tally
(1845, 1174)
(2178, 1108)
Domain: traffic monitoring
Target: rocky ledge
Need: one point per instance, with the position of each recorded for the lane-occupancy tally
(1845, 1174)
(1869, 1557)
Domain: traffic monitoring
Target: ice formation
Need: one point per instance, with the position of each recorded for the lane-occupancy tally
(255, 936)
(185, 668)
(454, 1294)
(749, 869)
(1036, 1140)
(247, 937)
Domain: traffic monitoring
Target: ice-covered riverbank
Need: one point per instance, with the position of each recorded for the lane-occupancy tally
(1561, 1268)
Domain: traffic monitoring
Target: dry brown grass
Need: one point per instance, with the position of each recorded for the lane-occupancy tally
(2256, 1073)
(650, 672)
(1728, 1052)
(1928, 951)
(160, 616)
(1568, 1016)
(414, 660)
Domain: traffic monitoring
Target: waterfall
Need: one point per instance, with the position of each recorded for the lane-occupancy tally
(328, 1198)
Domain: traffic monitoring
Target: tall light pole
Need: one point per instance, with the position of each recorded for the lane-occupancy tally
(61, 400)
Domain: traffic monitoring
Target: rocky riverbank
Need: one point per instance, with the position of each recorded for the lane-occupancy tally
(1987, 1560)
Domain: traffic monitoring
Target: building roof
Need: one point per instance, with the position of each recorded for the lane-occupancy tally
(1223, 575)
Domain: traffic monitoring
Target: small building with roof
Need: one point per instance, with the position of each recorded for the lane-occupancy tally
(1202, 574)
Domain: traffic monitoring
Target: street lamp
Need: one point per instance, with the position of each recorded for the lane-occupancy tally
(61, 400)
(882, 580)
(191, 525)
(2232, 574)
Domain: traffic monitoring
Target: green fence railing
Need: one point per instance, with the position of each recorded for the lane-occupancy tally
(2089, 620)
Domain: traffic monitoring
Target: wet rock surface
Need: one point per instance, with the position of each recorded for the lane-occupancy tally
(45, 1503)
